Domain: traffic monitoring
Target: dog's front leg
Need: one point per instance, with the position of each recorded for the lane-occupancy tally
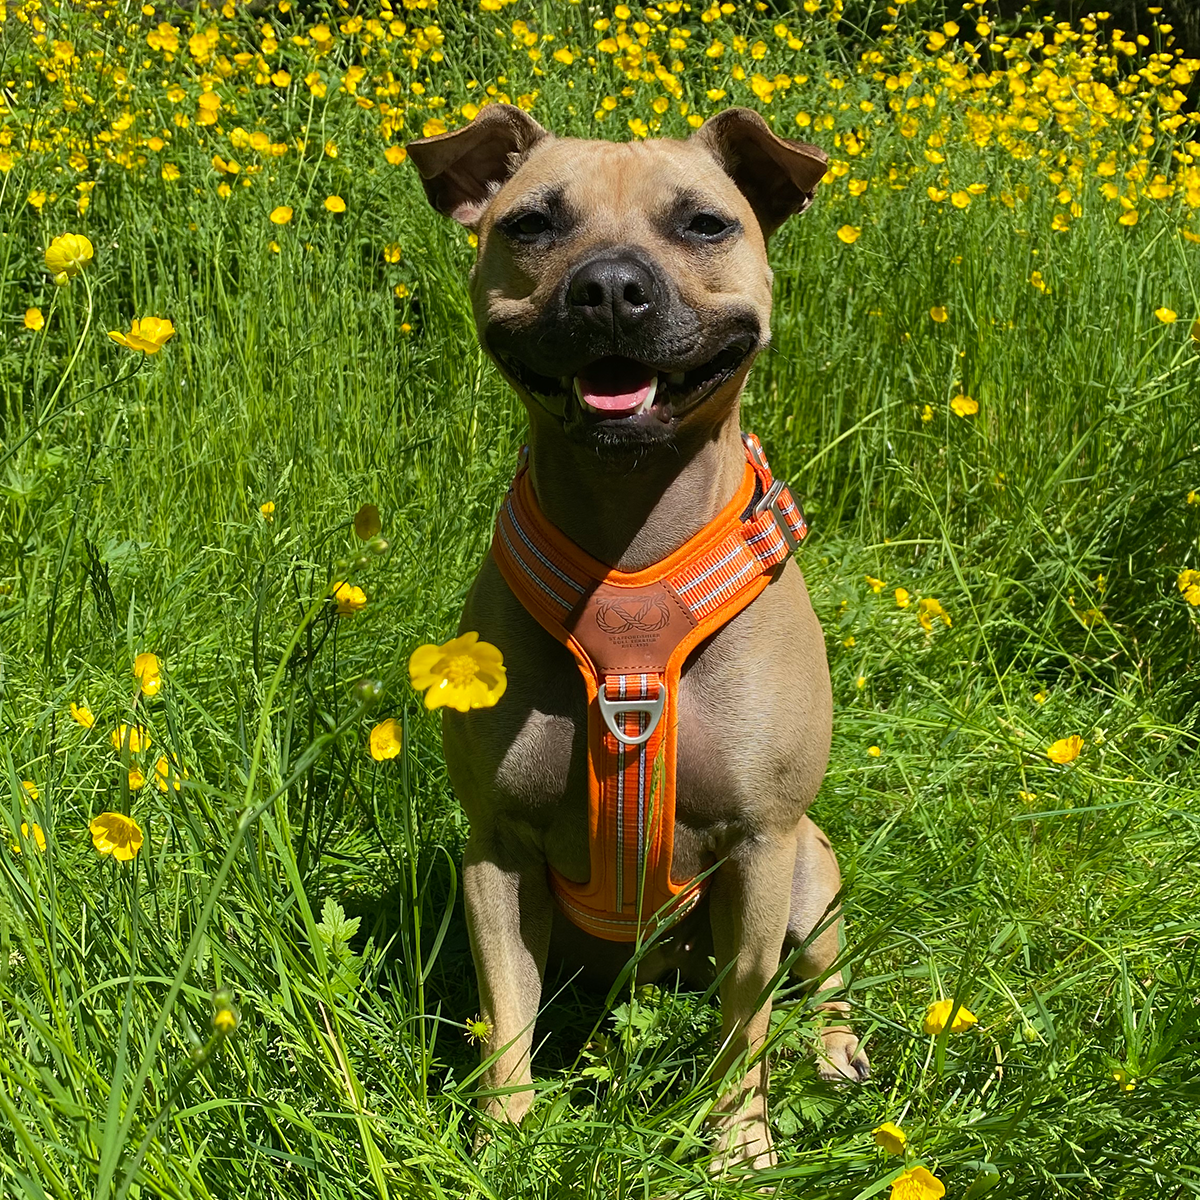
(749, 914)
(509, 916)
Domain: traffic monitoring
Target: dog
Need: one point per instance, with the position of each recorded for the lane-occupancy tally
(623, 290)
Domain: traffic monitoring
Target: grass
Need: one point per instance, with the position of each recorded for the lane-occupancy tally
(320, 889)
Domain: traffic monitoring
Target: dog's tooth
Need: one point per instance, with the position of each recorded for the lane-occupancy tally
(675, 379)
(648, 403)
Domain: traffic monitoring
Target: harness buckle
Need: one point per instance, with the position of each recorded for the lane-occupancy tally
(651, 708)
(770, 503)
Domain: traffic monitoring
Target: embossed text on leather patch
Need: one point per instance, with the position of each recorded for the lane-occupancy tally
(630, 628)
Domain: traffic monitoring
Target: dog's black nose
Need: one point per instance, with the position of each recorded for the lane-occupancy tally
(616, 293)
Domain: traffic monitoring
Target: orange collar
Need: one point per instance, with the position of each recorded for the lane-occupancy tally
(630, 633)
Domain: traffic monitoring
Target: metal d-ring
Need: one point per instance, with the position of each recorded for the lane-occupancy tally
(651, 708)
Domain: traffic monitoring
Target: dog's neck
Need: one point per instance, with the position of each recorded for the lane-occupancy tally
(632, 517)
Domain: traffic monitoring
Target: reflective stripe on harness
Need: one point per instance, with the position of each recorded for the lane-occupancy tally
(630, 633)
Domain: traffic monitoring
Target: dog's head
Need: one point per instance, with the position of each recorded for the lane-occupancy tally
(622, 288)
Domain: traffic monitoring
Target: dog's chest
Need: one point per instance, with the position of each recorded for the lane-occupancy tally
(747, 724)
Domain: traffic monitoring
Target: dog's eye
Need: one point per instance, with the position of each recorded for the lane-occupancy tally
(707, 225)
(527, 226)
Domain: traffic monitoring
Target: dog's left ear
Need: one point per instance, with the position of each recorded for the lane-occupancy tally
(776, 175)
(463, 169)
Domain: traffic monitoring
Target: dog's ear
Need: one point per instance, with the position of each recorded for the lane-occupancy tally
(463, 169)
(776, 175)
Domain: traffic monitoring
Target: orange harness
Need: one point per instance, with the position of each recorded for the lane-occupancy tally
(630, 633)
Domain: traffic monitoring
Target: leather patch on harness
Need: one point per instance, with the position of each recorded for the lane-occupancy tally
(625, 630)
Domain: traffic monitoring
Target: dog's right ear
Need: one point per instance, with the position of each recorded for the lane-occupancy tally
(463, 169)
(778, 176)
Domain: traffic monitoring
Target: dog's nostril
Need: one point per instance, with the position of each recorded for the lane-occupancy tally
(635, 293)
(588, 293)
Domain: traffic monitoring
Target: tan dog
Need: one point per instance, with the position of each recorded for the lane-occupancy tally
(623, 290)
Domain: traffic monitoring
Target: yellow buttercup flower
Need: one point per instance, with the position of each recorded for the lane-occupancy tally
(385, 740)
(939, 313)
(31, 833)
(367, 522)
(34, 319)
(395, 155)
(149, 335)
(30, 789)
(166, 776)
(1166, 315)
(1065, 750)
(226, 1019)
(147, 670)
(927, 413)
(1189, 583)
(902, 598)
(874, 751)
(392, 252)
(281, 215)
(877, 585)
(890, 1137)
(937, 1017)
(116, 834)
(137, 779)
(67, 255)
(849, 234)
(335, 204)
(82, 715)
(267, 510)
(349, 599)
(929, 609)
(964, 406)
(137, 736)
(917, 1184)
(463, 673)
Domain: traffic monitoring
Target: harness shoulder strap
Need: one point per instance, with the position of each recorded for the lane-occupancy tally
(630, 633)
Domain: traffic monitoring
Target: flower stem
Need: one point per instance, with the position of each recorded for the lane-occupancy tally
(87, 324)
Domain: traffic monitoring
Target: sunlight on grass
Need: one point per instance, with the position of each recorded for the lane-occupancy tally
(249, 459)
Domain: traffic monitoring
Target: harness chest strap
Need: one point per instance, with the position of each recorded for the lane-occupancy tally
(630, 633)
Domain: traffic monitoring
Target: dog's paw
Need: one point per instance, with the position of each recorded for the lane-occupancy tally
(839, 1060)
(743, 1141)
(753, 1154)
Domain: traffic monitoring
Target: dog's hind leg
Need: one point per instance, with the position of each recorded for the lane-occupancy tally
(816, 881)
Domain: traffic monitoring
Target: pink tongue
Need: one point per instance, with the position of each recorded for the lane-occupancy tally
(615, 386)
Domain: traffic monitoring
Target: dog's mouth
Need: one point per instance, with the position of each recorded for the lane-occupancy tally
(615, 389)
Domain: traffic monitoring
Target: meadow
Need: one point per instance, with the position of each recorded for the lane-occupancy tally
(983, 384)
